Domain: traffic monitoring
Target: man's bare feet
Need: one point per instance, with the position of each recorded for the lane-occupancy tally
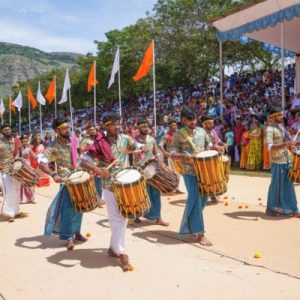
(79, 237)
(112, 253)
(70, 245)
(297, 214)
(203, 241)
(125, 265)
(11, 220)
(161, 223)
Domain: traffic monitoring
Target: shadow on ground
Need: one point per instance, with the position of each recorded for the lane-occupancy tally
(253, 216)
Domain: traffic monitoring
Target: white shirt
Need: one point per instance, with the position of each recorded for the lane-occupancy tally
(295, 102)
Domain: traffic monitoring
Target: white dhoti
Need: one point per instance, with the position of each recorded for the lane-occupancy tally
(117, 223)
(11, 195)
(181, 186)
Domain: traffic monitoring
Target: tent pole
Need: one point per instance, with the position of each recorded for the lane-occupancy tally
(221, 76)
(282, 66)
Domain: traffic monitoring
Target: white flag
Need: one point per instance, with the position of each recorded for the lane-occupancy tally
(115, 68)
(67, 86)
(39, 96)
(2, 107)
(18, 101)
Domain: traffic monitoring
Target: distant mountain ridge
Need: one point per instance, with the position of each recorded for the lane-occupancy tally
(20, 63)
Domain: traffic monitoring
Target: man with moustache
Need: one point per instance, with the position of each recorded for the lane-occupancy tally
(9, 148)
(281, 196)
(189, 141)
(62, 217)
(150, 152)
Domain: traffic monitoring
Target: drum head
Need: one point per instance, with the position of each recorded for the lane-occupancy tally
(128, 176)
(17, 165)
(150, 170)
(207, 154)
(79, 177)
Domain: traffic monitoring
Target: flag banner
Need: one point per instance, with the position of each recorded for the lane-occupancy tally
(115, 68)
(31, 98)
(146, 63)
(11, 106)
(92, 81)
(67, 86)
(18, 102)
(2, 107)
(40, 98)
(50, 95)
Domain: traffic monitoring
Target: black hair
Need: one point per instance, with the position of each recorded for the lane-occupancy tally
(188, 113)
(58, 121)
(113, 117)
(5, 126)
(141, 120)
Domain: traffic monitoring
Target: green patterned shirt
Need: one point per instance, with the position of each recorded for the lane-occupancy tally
(6, 152)
(141, 158)
(276, 136)
(200, 140)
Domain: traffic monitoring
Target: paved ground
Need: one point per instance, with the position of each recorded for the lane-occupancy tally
(166, 267)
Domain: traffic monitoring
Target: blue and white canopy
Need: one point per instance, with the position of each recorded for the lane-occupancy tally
(262, 22)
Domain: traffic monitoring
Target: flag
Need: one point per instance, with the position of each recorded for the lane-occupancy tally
(31, 98)
(92, 81)
(146, 63)
(67, 86)
(2, 107)
(50, 95)
(11, 106)
(39, 96)
(18, 102)
(115, 68)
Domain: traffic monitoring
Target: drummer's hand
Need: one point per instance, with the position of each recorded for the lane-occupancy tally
(291, 143)
(103, 172)
(219, 148)
(57, 179)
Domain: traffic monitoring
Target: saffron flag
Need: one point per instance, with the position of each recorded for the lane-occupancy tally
(67, 86)
(31, 98)
(18, 102)
(39, 96)
(50, 95)
(146, 63)
(115, 68)
(92, 81)
(11, 106)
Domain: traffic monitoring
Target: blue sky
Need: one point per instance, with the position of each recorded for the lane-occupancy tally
(66, 25)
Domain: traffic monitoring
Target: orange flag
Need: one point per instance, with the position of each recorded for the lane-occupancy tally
(146, 63)
(50, 95)
(11, 106)
(92, 81)
(31, 98)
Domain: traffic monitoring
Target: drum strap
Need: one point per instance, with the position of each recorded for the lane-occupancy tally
(185, 134)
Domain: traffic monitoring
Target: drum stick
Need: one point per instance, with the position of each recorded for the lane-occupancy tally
(111, 165)
(296, 136)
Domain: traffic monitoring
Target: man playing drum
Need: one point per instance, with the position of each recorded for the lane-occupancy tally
(9, 148)
(139, 160)
(189, 141)
(62, 218)
(281, 197)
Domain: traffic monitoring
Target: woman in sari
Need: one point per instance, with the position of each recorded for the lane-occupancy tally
(37, 147)
(245, 147)
(255, 147)
(266, 154)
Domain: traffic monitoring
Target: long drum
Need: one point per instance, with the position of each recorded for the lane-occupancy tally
(210, 171)
(161, 177)
(294, 172)
(24, 173)
(129, 187)
(227, 163)
(82, 189)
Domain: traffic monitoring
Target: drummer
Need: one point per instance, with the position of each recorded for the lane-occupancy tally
(9, 148)
(62, 217)
(150, 152)
(189, 141)
(281, 196)
(113, 146)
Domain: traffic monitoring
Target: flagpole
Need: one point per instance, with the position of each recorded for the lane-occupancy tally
(10, 103)
(40, 107)
(154, 91)
(71, 114)
(55, 99)
(119, 79)
(19, 121)
(95, 116)
(29, 117)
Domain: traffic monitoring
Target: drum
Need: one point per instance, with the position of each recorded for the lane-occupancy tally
(210, 172)
(178, 166)
(294, 172)
(82, 189)
(160, 176)
(227, 163)
(24, 173)
(129, 187)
